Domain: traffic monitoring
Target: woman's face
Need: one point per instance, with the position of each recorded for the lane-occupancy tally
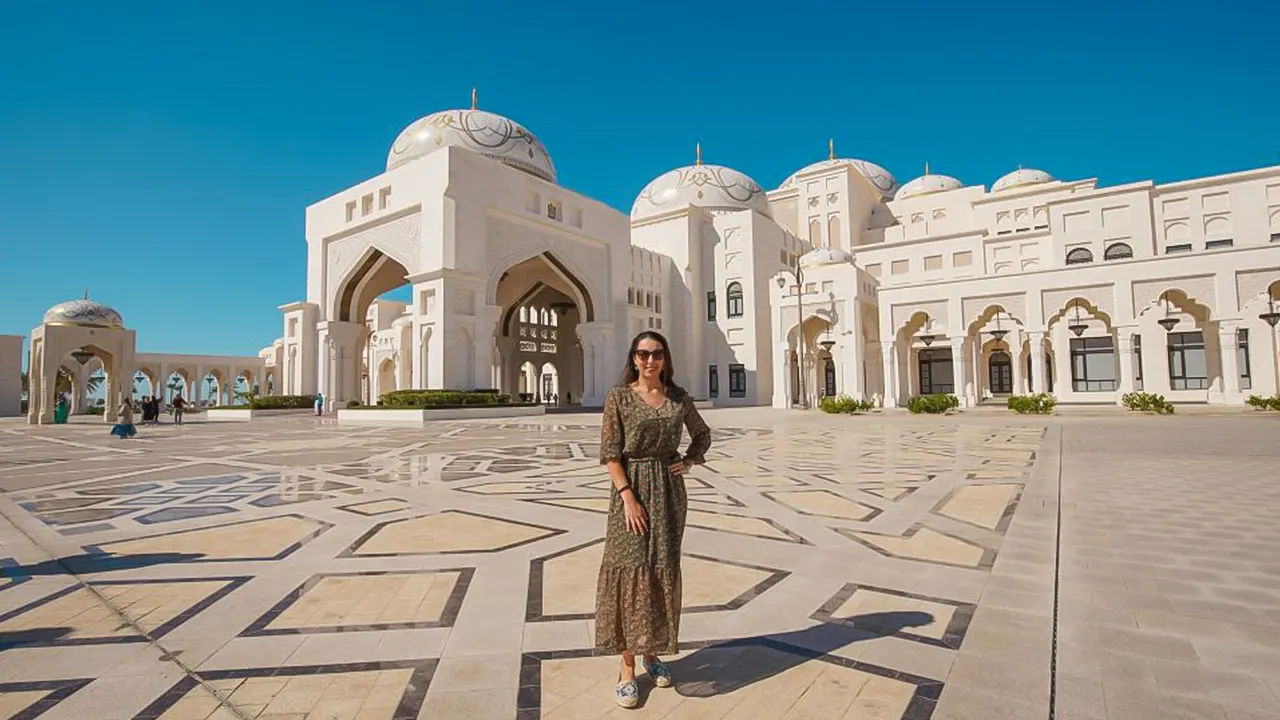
(650, 358)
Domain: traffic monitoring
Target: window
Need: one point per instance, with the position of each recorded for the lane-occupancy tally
(648, 300)
(1275, 237)
(711, 305)
(631, 296)
(1079, 256)
(1219, 244)
(1118, 251)
(900, 267)
(1242, 359)
(351, 211)
(366, 204)
(650, 322)
(962, 259)
(553, 210)
(1093, 365)
(734, 293)
(1183, 248)
(384, 198)
(1137, 362)
(657, 303)
(737, 381)
(1187, 367)
(713, 381)
(936, 372)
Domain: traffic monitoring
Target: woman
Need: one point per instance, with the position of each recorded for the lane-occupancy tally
(124, 428)
(638, 591)
(319, 404)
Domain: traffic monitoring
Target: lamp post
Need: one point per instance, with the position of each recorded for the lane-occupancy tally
(798, 274)
(1271, 317)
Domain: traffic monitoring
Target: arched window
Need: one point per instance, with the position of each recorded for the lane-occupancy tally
(1117, 251)
(1079, 256)
(524, 314)
(734, 296)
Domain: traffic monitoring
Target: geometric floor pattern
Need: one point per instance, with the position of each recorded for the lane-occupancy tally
(834, 567)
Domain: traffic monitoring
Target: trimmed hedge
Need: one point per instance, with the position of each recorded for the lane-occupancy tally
(280, 402)
(844, 405)
(436, 398)
(1147, 402)
(1262, 402)
(933, 404)
(1037, 404)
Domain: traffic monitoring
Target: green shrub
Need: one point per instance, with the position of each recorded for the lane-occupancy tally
(281, 402)
(1262, 402)
(1037, 404)
(844, 405)
(96, 410)
(435, 398)
(1147, 402)
(353, 403)
(933, 404)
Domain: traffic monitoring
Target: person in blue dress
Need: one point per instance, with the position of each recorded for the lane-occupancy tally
(124, 428)
(62, 411)
(319, 403)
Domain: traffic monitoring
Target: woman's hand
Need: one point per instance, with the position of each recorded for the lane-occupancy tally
(633, 511)
(679, 467)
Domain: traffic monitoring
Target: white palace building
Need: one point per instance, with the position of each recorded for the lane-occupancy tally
(842, 281)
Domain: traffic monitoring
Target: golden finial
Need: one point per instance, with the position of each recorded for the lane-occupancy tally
(86, 293)
(699, 152)
(831, 148)
(473, 98)
(926, 167)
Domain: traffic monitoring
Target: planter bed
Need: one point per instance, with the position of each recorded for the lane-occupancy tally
(423, 415)
(242, 414)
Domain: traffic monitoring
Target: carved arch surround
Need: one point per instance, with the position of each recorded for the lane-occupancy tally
(585, 296)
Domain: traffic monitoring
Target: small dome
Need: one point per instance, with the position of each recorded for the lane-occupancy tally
(825, 256)
(881, 179)
(84, 313)
(927, 185)
(491, 135)
(710, 187)
(1020, 177)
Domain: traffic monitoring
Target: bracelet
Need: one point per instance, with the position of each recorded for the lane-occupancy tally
(625, 488)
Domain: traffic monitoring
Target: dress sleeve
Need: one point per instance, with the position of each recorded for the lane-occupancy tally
(611, 430)
(699, 433)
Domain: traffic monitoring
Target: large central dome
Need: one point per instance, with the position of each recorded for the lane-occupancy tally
(711, 187)
(489, 134)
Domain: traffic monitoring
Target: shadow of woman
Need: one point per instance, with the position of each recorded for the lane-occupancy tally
(729, 666)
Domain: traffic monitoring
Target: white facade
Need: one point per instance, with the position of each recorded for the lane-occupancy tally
(522, 285)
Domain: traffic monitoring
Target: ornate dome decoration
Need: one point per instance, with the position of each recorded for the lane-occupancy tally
(1020, 178)
(927, 184)
(825, 256)
(489, 134)
(711, 187)
(83, 313)
(881, 179)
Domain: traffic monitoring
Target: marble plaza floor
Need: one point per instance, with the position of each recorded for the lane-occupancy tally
(982, 566)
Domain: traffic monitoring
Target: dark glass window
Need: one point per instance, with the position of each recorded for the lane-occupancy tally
(1188, 369)
(1242, 359)
(936, 374)
(1118, 251)
(734, 294)
(1079, 256)
(737, 381)
(1093, 365)
(711, 305)
(713, 381)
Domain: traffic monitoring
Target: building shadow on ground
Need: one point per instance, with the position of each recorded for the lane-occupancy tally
(94, 563)
(34, 636)
(732, 665)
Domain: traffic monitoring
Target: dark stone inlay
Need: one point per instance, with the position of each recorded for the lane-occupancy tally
(355, 507)
(164, 515)
(76, 517)
(86, 529)
(920, 707)
(354, 549)
(448, 617)
(987, 560)
(883, 624)
(276, 499)
(415, 690)
(221, 480)
(120, 490)
(286, 552)
(53, 637)
(59, 690)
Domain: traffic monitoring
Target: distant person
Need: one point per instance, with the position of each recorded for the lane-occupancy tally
(319, 403)
(638, 598)
(179, 404)
(124, 429)
(61, 411)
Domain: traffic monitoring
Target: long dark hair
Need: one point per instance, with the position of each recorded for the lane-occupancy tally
(630, 373)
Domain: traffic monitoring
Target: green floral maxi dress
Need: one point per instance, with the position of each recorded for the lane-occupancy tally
(638, 591)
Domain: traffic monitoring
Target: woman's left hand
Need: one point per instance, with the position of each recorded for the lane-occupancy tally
(680, 467)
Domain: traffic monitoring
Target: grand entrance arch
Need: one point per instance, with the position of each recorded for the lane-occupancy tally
(351, 361)
(539, 348)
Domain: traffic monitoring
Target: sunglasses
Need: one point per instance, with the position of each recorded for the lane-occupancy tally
(644, 355)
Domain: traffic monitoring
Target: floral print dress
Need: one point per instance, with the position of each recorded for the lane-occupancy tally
(638, 591)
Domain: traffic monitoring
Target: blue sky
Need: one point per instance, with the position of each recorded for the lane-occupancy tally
(161, 154)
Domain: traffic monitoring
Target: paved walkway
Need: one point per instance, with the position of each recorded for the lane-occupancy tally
(870, 567)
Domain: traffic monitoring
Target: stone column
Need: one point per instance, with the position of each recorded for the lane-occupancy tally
(887, 350)
(1229, 346)
(851, 351)
(958, 374)
(781, 377)
(1015, 358)
(109, 395)
(1124, 347)
(1039, 383)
